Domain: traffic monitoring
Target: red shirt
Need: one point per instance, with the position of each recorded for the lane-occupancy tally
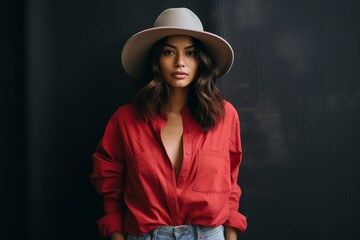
(136, 179)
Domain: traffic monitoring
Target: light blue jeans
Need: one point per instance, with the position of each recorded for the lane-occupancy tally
(182, 232)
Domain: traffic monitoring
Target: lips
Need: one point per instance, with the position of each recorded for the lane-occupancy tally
(179, 75)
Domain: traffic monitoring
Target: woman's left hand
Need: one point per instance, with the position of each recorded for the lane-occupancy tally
(230, 233)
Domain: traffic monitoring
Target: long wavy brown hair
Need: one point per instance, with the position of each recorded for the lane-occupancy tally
(205, 101)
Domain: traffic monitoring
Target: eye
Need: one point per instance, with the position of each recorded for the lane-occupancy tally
(190, 53)
(168, 52)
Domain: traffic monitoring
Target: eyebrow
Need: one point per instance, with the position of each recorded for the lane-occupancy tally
(172, 46)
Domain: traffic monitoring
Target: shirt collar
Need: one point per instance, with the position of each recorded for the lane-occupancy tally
(162, 115)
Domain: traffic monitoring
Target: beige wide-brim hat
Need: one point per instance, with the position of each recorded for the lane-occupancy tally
(174, 21)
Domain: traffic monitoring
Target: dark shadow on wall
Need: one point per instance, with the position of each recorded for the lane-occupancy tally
(13, 169)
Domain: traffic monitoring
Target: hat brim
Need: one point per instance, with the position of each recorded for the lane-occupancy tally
(136, 49)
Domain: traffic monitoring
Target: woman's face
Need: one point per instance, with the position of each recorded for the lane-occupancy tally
(178, 62)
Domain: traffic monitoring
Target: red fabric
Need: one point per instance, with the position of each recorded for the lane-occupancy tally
(136, 179)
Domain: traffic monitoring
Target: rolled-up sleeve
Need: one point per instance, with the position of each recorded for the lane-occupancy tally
(108, 178)
(235, 219)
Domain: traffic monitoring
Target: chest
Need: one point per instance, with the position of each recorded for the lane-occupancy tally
(172, 140)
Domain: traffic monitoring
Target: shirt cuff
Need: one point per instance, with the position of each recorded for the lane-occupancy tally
(110, 223)
(236, 220)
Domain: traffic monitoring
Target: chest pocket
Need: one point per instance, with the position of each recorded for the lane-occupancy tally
(213, 172)
(141, 173)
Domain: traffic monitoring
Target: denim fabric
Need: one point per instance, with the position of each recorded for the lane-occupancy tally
(183, 232)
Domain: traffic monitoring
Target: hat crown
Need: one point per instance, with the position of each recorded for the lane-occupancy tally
(182, 18)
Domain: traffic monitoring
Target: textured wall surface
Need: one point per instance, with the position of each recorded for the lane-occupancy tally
(295, 83)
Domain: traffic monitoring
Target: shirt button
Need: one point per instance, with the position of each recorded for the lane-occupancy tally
(187, 152)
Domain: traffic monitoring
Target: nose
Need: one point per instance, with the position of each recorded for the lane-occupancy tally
(179, 61)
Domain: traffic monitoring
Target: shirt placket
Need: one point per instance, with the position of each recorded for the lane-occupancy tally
(172, 199)
(174, 186)
(187, 152)
(178, 186)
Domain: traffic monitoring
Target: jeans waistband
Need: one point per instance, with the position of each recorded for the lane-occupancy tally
(171, 230)
(198, 232)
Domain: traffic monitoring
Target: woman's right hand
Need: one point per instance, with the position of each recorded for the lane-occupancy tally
(117, 236)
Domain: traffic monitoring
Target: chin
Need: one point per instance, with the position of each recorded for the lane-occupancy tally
(182, 84)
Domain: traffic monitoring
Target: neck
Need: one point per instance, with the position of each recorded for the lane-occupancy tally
(176, 101)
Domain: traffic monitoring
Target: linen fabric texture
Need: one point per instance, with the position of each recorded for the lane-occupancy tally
(133, 173)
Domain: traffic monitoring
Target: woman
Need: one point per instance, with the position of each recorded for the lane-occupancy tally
(168, 163)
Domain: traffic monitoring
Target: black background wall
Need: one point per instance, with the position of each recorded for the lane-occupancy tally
(295, 83)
